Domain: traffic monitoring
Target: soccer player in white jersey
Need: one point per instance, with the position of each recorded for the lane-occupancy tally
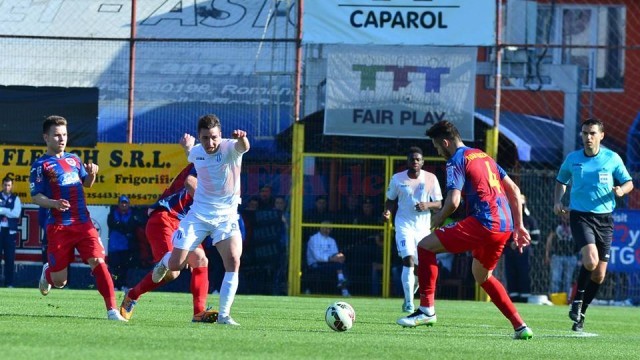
(415, 192)
(214, 211)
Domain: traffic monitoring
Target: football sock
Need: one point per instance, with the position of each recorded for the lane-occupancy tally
(501, 299)
(104, 283)
(589, 293)
(165, 259)
(199, 288)
(228, 292)
(427, 275)
(144, 286)
(428, 310)
(47, 275)
(408, 283)
(584, 277)
(340, 276)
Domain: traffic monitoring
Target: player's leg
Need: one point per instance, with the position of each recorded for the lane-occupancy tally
(92, 252)
(427, 276)
(228, 241)
(584, 227)
(159, 230)
(407, 248)
(485, 258)
(60, 255)
(186, 238)
(199, 264)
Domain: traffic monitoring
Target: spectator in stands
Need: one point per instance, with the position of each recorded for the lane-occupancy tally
(561, 256)
(320, 212)
(10, 213)
(518, 262)
(367, 215)
(266, 200)
(350, 210)
(122, 229)
(323, 256)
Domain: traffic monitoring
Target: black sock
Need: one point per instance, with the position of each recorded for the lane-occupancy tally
(584, 278)
(589, 293)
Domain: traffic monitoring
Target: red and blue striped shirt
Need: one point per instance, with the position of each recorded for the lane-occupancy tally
(61, 178)
(479, 178)
(176, 199)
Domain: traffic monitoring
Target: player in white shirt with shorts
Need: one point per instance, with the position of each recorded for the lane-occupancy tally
(214, 211)
(416, 192)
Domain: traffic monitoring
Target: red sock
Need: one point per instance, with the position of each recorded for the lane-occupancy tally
(427, 275)
(144, 286)
(199, 288)
(104, 283)
(499, 296)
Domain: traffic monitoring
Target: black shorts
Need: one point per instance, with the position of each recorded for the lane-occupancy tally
(590, 228)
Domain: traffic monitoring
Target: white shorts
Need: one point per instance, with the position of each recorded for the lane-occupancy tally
(407, 239)
(192, 230)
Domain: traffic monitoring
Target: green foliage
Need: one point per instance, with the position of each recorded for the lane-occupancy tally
(71, 324)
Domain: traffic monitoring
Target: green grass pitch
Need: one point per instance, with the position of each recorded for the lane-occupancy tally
(71, 324)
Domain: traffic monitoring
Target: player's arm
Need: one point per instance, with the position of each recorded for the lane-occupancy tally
(558, 194)
(451, 203)
(92, 172)
(623, 189)
(521, 236)
(43, 201)
(242, 145)
(191, 183)
(187, 142)
(389, 206)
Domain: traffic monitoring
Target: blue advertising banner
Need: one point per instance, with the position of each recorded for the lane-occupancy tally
(625, 249)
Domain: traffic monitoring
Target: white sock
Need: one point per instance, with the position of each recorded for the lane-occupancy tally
(228, 292)
(408, 282)
(340, 276)
(165, 259)
(428, 310)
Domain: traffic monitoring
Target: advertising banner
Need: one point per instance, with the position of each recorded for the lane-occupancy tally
(625, 248)
(399, 92)
(400, 22)
(141, 172)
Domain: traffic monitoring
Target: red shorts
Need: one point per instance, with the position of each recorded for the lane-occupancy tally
(64, 239)
(159, 230)
(469, 235)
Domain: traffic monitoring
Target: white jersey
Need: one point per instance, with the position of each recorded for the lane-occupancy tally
(218, 190)
(408, 191)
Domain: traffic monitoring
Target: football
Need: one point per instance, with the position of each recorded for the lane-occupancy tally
(340, 316)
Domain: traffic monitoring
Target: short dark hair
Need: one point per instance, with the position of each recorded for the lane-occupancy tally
(53, 120)
(7, 179)
(594, 121)
(443, 130)
(209, 121)
(414, 150)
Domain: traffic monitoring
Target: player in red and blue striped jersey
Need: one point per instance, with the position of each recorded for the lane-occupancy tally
(57, 180)
(164, 218)
(494, 212)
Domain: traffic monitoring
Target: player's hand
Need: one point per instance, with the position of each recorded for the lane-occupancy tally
(420, 206)
(386, 215)
(560, 209)
(187, 142)
(61, 204)
(91, 168)
(618, 191)
(339, 258)
(521, 237)
(238, 134)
